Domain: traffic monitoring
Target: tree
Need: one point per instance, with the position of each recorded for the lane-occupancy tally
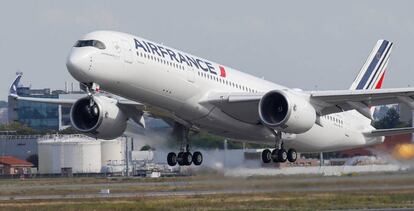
(145, 148)
(390, 120)
(33, 159)
(69, 130)
(20, 129)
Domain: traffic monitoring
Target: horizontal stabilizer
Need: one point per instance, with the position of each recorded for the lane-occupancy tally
(389, 132)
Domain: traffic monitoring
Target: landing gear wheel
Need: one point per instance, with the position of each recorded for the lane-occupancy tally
(188, 158)
(172, 159)
(180, 159)
(266, 156)
(292, 155)
(282, 155)
(275, 156)
(197, 158)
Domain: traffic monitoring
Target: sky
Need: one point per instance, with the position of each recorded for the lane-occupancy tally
(312, 45)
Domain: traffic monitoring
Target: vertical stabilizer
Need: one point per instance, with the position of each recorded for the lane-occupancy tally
(372, 73)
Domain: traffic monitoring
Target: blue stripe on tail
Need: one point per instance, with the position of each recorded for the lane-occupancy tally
(371, 68)
(379, 69)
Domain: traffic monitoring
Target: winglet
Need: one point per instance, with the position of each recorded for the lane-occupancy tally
(14, 85)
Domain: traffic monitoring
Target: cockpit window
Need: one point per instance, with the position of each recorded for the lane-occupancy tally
(92, 43)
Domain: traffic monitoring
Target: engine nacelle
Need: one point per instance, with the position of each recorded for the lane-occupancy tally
(99, 117)
(287, 112)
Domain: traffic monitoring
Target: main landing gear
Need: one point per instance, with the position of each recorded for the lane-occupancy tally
(279, 154)
(184, 157)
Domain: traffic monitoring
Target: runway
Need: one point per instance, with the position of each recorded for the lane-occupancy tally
(219, 186)
(205, 192)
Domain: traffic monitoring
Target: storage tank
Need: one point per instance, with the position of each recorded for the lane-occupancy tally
(78, 154)
(113, 152)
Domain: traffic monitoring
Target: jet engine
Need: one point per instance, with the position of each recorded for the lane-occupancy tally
(287, 112)
(98, 117)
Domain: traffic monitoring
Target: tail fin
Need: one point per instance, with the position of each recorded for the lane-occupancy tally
(372, 73)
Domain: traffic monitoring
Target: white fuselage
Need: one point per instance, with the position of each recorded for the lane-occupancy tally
(177, 82)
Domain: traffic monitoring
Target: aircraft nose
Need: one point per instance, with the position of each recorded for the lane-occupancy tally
(78, 64)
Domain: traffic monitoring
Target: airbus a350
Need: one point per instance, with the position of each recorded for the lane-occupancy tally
(195, 94)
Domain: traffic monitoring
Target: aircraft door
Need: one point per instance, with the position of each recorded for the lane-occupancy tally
(117, 49)
(127, 52)
(190, 72)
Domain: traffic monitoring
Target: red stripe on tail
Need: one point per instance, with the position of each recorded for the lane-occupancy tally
(379, 84)
(222, 71)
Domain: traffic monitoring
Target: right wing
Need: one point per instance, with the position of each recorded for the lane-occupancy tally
(133, 109)
(335, 101)
(13, 93)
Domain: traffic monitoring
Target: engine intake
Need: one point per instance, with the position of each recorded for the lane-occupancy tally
(286, 112)
(99, 117)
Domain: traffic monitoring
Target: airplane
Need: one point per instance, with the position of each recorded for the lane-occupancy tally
(195, 94)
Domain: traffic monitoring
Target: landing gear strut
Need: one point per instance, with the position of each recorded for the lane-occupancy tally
(279, 154)
(184, 157)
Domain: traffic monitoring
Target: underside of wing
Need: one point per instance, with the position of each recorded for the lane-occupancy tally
(13, 94)
(64, 102)
(240, 106)
(389, 132)
(328, 102)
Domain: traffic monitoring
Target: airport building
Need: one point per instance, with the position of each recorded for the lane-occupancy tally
(19, 146)
(38, 116)
(3, 112)
(10, 165)
(64, 111)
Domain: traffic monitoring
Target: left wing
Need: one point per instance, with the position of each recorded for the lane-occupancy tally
(327, 102)
(389, 132)
(240, 106)
(244, 106)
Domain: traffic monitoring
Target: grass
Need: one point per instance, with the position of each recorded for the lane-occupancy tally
(273, 201)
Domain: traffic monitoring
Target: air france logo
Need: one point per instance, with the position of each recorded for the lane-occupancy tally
(181, 58)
